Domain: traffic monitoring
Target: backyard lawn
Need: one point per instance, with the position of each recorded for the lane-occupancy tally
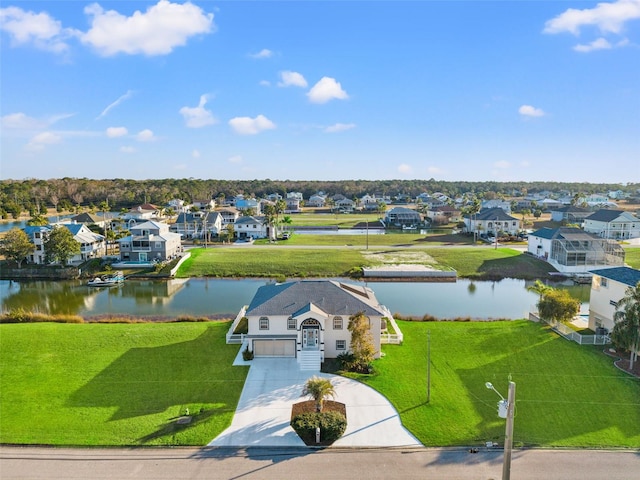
(116, 384)
(566, 394)
(632, 257)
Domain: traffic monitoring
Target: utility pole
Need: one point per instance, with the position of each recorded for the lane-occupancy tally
(508, 436)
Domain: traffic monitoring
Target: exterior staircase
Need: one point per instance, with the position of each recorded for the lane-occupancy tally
(309, 360)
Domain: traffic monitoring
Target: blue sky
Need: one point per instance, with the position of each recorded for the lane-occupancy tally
(327, 90)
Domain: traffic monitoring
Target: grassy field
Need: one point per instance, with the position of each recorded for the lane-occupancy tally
(566, 394)
(632, 256)
(272, 261)
(116, 384)
(342, 220)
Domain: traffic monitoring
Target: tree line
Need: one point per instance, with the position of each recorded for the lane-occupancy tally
(64, 194)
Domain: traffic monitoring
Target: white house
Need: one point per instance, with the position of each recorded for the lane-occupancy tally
(229, 215)
(572, 250)
(37, 235)
(91, 244)
(491, 221)
(399, 216)
(193, 225)
(150, 241)
(316, 200)
(308, 319)
(608, 286)
(503, 204)
(570, 214)
(251, 227)
(614, 224)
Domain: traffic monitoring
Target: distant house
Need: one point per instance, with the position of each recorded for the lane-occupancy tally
(399, 216)
(251, 227)
(204, 204)
(608, 286)
(345, 205)
(248, 204)
(229, 215)
(444, 214)
(193, 225)
(293, 204)
(150, 241)
(572, 250)
(504, 205)
(492, 221)
(88, 219)
(308, 319)
(92, 245)
(316, 200)
(141, 213)
(614, 224)
(570, 214)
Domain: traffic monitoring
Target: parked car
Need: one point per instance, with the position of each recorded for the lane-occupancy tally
(286, 235)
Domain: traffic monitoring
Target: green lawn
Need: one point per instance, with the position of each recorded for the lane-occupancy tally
(270, 262)
(632, 257)
(342, 220)
(566, 394)
(387, 240)
(116, 384)
(475, 262)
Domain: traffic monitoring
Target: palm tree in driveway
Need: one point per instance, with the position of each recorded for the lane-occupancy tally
(319, 389)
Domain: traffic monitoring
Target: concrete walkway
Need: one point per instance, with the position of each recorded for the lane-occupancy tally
(273, 385)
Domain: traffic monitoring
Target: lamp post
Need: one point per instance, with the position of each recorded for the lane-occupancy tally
(506, 410)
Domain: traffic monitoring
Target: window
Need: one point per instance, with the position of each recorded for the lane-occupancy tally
(613, 303)
(341, 344)
(158, 245)
(264, 323)
(291, 323)
(603, 282)
(337, 323)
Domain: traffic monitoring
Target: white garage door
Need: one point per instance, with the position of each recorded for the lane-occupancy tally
(274, 348)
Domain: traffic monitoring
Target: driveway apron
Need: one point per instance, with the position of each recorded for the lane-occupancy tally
(273, 385)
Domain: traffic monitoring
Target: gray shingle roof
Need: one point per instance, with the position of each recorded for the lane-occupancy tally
(493, 214)
(329, 296)
(605, 215)
(626, 275)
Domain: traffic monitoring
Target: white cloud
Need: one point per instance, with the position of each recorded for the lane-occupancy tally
(37, 29)
(121, 99)
(45, 138)
(145, 136)
(127, 149)
(264, 53)
(597, 44)
(236, 159)
(502, 164)
(608, 17)
(326, 89)
(251, 126)
(264, 83)
(195, 153)
(405, 168)
(529, 111)
(157, 31)
(198, 117)
(292, 79)
(180, 166)
(21, 121)
(339, 127)
(115, 132)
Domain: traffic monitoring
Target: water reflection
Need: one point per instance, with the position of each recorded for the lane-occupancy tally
(224, 297)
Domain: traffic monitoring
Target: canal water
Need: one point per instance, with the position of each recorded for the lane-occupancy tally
(507, 298)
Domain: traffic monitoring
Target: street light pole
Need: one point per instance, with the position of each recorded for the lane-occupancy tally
(509, 403)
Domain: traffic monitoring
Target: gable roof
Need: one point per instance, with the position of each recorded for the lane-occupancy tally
(328, 296)
(569, 233)
(626, 275)
(87, 218)
(495, 213)
(605, 215)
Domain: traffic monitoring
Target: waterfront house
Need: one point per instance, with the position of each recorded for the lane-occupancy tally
(570, 214)
(251, 227)
(400, 216)
(92, 245)
(608, 286)
(229, 215)
(193, 225)
(37, 235)
(572, 250)
(491, 222)
(444, 214)
(308, 319)
(614, 224)
(150, 241)
(316, 200)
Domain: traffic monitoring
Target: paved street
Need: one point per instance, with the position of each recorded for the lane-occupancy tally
(33, 463)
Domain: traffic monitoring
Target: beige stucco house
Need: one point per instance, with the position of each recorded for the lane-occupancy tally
(308, 319)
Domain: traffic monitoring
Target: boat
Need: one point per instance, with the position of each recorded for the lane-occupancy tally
(107, 280)
(409, 227)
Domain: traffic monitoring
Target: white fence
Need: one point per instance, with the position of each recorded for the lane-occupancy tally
(236, 337)
(571, 334)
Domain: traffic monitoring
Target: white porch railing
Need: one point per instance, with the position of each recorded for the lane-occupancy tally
(571, 334)
(236, 337)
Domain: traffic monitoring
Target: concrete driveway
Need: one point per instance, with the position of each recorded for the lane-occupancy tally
(273, 385)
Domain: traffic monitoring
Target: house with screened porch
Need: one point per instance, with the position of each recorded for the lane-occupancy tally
(308, 320)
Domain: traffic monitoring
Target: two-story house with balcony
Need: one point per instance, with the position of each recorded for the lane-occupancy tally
(194, 225)
(150, 241)
(613, 224)
(608, 286)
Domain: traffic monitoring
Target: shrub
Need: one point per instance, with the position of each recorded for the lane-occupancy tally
(247, 354)
(332, 426)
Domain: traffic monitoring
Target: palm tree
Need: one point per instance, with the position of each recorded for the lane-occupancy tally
(540, 288)
(626, 331)
(319, 389)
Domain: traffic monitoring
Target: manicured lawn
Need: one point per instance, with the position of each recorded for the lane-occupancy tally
(270, 262)
(632, 257)
(566, 394)
(116, 384)
(388, 239)
(490, 263)
(342, 220)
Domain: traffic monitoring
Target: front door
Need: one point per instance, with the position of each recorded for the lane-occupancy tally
(310, 337)
(142, 256)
